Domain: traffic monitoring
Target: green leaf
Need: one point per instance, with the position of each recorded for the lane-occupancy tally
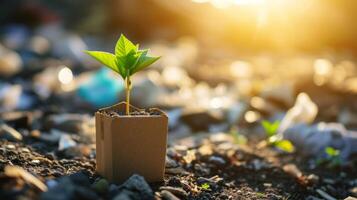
(143, 61)
(270, 128)
(332, 152)
(124, 46)
(205, 186)
(105, 58)
(285, 145)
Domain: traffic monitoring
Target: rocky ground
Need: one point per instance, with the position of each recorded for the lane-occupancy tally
(201, 167)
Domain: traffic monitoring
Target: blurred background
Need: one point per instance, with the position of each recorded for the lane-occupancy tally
(235, 76)
(224, 62)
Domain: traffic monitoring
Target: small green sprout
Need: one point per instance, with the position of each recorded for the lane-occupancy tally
(333, 158)
(205, 186)
(126, 61)
(271, 130)
(237, 137)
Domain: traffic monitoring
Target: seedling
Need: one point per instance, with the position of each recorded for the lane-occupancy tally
(126, 61)
(333, 158)
(205, 186)
(273, 139)
(237, 137)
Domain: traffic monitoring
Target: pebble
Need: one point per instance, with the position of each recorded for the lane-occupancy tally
(18, 172)
(325, 195)
(168, 195)
(175, 171)
(66, 142)
(35, 162)
(137, 184)
(217, 160)
(292, 170)
(10, 146)
(10, 62)
(353, 191)
(171, 163)
(175, 190)
(9, 133)
(312, 178)
(350, 198)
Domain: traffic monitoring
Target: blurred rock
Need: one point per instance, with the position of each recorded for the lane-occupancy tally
(10, 62)
(304, 111)
(144, 92)
(312, 140)
(18, 172)
(8, 133)
(64, 44)
(168, 195)
(67, 122)
(66, 142)
(75, 186)
(348, 118)
(283, 94)
(200, 120)
(135, 188)
(10, 96)
(175, 190)
(18, 119)
(39, 45)
(15, 36)
(217, 160)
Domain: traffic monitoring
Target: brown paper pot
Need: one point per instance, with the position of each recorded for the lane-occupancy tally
(131, 144)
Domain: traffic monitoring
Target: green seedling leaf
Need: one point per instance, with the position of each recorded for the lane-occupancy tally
(105, 58)
(285, 145)
(332, 152)
(125, 46)
(270, 128)
(237, 137)
(143, 61)
(205, 186)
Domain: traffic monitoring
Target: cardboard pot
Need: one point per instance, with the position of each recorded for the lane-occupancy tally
(131, 144)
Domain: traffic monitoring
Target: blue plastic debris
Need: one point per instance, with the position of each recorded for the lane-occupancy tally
(101, 90)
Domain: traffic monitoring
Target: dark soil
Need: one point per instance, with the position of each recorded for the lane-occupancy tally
(208, 170)
(141, 112)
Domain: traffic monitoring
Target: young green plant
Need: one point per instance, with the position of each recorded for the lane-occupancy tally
(271, 130)
(332, 159)
(126, 61)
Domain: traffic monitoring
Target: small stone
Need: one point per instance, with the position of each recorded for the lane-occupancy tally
(325, 195)
(66, 142)
(25, 150)
(35, 162)
(267, 184)
(353, 191)
(313, 179)
(168, 195)
(18, 172)
(177, 170)
(292, 170)
(350, 198)
(10, 146)
(10, 62)
(137, 184)
(8, 133)
(217, 160)
(175, 190)
(170, 163)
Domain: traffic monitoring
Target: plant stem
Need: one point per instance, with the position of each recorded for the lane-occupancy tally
(127, 88)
